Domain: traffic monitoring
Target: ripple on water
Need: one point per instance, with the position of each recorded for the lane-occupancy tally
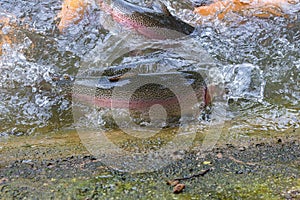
(260, 58)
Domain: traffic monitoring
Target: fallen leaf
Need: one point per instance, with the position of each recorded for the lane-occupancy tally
(178, 188)
(207, 163)
(172, 182)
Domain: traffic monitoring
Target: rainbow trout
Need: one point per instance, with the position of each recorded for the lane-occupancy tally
(152, 23)
(148, 22)
(139, 92)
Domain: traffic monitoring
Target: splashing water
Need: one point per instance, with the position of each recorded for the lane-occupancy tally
(261, 63)
(260, 59)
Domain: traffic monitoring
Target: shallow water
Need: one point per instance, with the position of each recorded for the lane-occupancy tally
(258, 60)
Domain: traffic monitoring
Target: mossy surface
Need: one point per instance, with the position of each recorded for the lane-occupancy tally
(60, 167)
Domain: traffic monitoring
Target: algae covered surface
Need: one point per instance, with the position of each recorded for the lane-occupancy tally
(58, 166)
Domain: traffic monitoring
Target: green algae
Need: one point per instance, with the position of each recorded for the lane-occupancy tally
(57, 166)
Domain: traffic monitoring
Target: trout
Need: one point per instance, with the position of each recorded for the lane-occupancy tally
(148, 22)
(115, 92)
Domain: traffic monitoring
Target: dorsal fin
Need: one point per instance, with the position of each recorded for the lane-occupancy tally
(161, 7)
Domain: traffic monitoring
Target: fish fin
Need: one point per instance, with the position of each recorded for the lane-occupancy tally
(121, 76)
(161, 7)
(198, 3)
(164, 9)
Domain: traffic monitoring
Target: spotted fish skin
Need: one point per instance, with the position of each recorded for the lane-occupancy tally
(102, 93)
(149, 22)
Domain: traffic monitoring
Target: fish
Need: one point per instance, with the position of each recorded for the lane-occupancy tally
(114, 91)
(152, 23)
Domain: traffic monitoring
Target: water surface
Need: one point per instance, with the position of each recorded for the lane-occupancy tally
(258, 58)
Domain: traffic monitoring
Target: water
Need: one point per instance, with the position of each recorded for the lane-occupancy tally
(272, 48)
(259, 59)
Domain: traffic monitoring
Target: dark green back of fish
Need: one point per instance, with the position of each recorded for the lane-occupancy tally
(149, 18)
